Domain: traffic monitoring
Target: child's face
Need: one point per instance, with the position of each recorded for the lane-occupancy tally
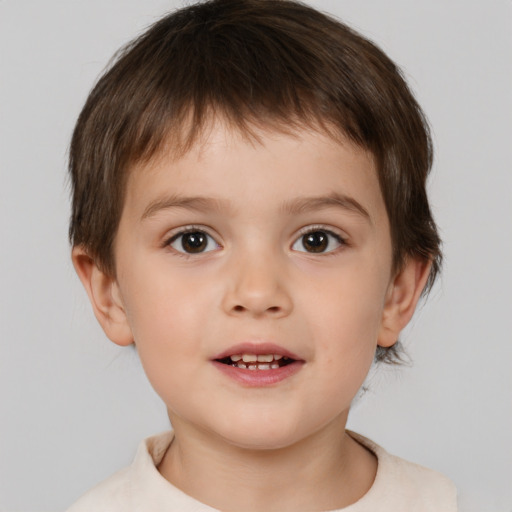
(287, 251)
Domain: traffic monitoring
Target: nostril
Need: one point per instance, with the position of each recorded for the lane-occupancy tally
(273, 309)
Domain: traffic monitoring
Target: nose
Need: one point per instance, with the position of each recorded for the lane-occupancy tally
(256, 286)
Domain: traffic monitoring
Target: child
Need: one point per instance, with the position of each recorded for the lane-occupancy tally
(249, 210)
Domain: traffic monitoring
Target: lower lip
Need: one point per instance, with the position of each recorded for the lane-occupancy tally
(259, 378)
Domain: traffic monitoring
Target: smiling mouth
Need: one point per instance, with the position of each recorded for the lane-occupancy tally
(256, 362)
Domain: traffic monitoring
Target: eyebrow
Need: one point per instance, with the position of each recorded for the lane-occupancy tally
(200, 204)
(293, 207)
(308, 204)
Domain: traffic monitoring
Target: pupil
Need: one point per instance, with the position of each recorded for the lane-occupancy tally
(194, 242)
(315, 242)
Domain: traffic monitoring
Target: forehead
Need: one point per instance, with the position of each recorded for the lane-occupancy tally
(258, 169)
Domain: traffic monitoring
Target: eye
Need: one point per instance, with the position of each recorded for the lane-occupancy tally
(318, 241)
(193, 242)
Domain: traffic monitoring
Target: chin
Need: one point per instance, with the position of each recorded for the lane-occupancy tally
(261, 442)
(263, 433)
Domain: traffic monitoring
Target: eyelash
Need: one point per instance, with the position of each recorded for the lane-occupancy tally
(303, 232)
(183, 232)
(342, 241)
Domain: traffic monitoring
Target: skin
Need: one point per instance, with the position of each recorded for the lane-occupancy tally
(282, 446)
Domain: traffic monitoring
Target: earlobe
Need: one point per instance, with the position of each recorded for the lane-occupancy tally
(402, 298)
(105, 297)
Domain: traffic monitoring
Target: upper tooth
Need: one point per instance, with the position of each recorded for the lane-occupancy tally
(253, 358)
(267, 358)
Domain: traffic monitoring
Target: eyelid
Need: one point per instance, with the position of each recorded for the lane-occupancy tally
(340, 238)
(183, 230)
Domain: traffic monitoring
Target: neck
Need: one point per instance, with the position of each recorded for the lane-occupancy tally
(326, 471)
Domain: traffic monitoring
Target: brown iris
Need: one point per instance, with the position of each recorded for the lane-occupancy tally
(316, 241)
(194, 242)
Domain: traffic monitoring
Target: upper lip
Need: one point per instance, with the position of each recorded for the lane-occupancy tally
(256, 349)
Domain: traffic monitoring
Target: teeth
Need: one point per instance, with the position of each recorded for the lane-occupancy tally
(252, 358)
(257, 362)
(257, 366)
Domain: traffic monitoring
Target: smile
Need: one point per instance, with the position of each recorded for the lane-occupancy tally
(257, 362)
(258, 365)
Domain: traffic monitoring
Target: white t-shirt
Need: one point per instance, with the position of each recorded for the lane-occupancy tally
(399, 486)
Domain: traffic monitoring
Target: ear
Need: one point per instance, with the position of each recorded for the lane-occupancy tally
(105, 297)
(403, 295)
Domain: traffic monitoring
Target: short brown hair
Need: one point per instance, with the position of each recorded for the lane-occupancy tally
(271, 63)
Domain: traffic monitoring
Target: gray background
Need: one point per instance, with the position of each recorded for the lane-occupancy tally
(74, 406)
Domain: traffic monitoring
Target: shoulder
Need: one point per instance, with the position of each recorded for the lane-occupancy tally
(120, 492)
(110, 495)
(403, 486)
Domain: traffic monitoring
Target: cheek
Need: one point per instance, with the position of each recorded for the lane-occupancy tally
(161, 303)
(348, 306)
(169, 314)
(345, 320)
